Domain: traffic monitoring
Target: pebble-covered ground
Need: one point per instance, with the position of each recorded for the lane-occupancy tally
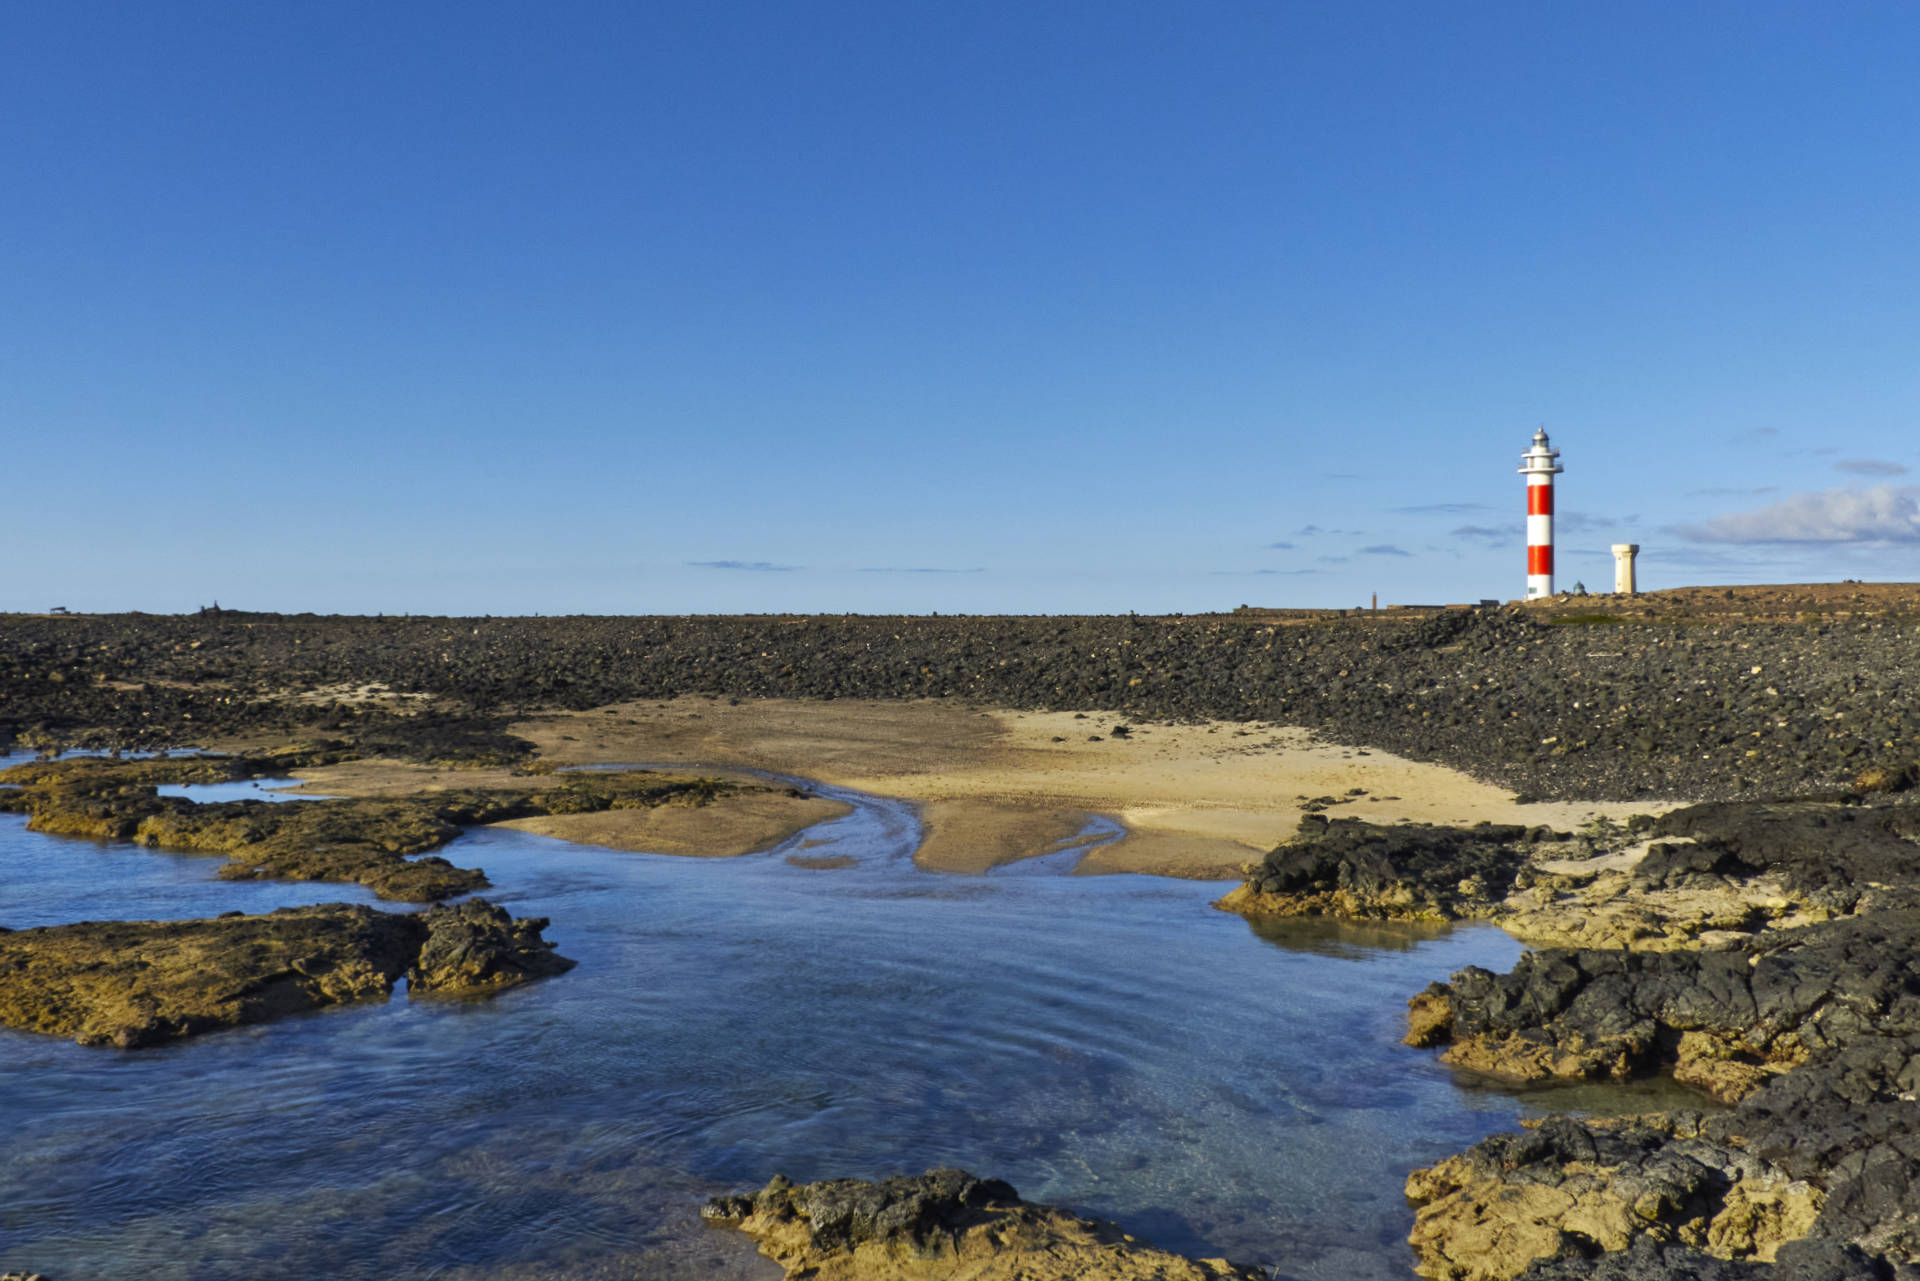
(1583, 699)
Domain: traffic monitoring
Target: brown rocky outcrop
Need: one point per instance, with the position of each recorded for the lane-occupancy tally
(140, 983)
(944, 1225)
(1570, 1189)
(137, 983)
(1605, 907)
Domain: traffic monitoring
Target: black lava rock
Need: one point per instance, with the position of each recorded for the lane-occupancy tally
(1802, 992)
(1724, 709)
(1411, 867)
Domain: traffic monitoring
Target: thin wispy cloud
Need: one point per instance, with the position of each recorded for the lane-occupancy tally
(1265, 573)
(918, 569)
(1443, 509)
(1314, 531)
(1882, 514)
(1871, 467)
(1333, 560)
(1280, 547)
(1384, 549)
(750, 566)
(1753, 435)
(1582, 522)
(1486, 533)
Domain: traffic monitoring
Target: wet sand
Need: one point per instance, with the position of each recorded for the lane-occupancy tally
(752, 818)
(727, 827)
(1196, 800)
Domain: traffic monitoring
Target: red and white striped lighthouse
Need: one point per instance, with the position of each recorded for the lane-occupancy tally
(1540, 465)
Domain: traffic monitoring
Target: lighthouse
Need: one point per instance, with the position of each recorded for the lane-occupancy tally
(1540, 465)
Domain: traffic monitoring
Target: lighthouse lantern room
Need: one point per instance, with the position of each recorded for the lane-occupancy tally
(1540, 465)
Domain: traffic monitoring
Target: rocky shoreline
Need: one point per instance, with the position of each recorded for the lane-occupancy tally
(1759, 945)
(1799, 1006)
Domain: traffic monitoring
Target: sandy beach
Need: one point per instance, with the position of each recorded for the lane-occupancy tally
(1196, 800)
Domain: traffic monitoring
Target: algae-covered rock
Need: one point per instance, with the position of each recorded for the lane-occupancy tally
(141, 983)
(476, 947)
(364, 841)
(942, 1225)
(1570, 1189)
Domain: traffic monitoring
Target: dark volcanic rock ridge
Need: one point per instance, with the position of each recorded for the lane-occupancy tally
(1576, 706)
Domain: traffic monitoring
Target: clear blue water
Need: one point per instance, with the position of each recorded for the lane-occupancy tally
(248, 789)
(1109, 1043)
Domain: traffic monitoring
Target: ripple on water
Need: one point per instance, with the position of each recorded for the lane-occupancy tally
(1108, 1043)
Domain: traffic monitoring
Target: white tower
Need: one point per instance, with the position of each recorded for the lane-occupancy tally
(1623, 554)
(1540, 465)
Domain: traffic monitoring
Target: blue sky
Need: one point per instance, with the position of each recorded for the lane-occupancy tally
(1039, 308)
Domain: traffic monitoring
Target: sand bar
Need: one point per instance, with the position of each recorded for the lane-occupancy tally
(753, 818)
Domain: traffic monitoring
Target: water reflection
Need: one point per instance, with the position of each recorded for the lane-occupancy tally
(1349, 940)
(1594, 1098)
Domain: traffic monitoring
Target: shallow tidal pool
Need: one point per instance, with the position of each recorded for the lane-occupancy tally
(1108, 1043)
